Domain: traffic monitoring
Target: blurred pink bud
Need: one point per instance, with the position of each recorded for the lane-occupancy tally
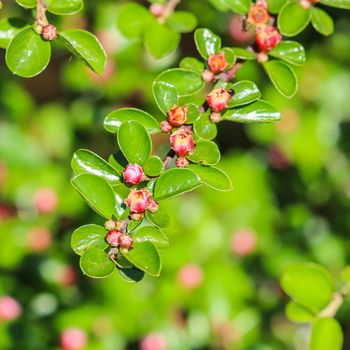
(153, 341)
(166, 126)
(182, 141)
(243, 242)
(45, 200)
(217, 63)
(153, 206)
(112, 238)
(138, 200)
(49, 32)
(73, 339)
(133, 174)
(238, 33)
(39, 239)
(67, 276)
(125, 241)
(156, 10)
(278, 158)
(136, 216)
(190, 276)
(218, 99)
(208, 76)
(10, 309)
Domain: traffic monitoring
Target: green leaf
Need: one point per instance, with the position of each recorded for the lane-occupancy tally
(85, 45)
(135, 142)
(326, 334)
(193, 113)
(275, 6)
(185, 81)
(240, 7)
(342, 4)
(229, 56)
(27, 3)
(293, 18)
(153, 166)
(206, 152)
(282, 77)
(153, 235)
(204, 128)
(88, 236)
(95, 263)
(174, 182)
(259, 111)
(165, 95)
(245, 92)
(97, 193)
(145, 257)
(118, 161)
(212, 177)
(345, 274)
(85, 161)
(9, 27)
(160, 40)
(115, 119)
(308, 284)
(244, 54)
(64, 7)
(182, 21)
(132, 19)
(289, 51)
(207, 42)
(131, 275)
(160, 218)
(297, 313)
(322, 21)
(28, 54)
(122, 210)
(191, 63)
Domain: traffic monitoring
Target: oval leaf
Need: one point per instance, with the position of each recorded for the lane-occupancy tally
(342, 4)
(153, 166)
(192, 63)
(322, 21)
(204, 128)
(165, 95)
(160, 218)
(326, 334)
(64, 7)
(245, 92)
(238, 6)
(27, 3)
(9, 27)
(95, 263)
(275, 6)
(131, 275)
(207, 42)
(153, 235)
(289, 51)
(243, 53)
(182, 21)
(206, 152)
(297, 313)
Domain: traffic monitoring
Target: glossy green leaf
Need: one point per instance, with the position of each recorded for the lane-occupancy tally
(151, 234)
(9, 27)
(118, 161)
(293, 18)
(206, 152)
(282, 77)
(131, 275)
(27, 3)
(275, 6)
(342, 4)
(326, 334)
(192, 63)
(212, 177)
(297, 313)
(322, 21)
(160, 218)
(193, 113)
(97, 193)
(185, 81)
(85, 45)
(244, 54)
(174, 182)
(114, 119)
(64, 7)
(85, 161)
(165, 95)
(289, 51)
(245, 92)
(28, 54)
(145, 257)
(88, 236)
(204, 128)
(134, 224)
(207, 42)
(122, 210)
(153, 166)
(229, 56)
(240, 7)
(182, 21)
(95, 263)
(308, 284)
(259, 111)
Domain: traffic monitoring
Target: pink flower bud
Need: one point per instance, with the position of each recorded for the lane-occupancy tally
(133, 174)
(182, 141)
(39, 239)
(49, 32)
(112, 238)
(153, 206)
(125, 241)
(110, 225)
(156, 10)
(166, 126)
(243, 242)
(66, 276)
(215, 117)
(136, 216)
(45, 200)
(258, 15)
(177, 116)
(153, 341)
(217, 63)
(267, 37)
(73, 339)
(182, 162)
(138, 200)
(208, 76)
(10, 309)
(218, 99)
(190, 276)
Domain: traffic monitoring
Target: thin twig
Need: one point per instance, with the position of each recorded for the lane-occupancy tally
(41, 14)
(168, 10)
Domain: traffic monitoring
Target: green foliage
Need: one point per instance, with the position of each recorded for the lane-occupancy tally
(326, 334)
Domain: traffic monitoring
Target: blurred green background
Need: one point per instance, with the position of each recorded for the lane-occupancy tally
(219, 285)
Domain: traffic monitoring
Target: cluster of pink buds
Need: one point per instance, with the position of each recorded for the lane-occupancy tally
(217, 64)
(133, 174)
(177, 116)
(140, 200)
(115, 236)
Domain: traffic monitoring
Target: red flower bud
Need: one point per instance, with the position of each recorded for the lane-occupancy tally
(133, 174)
(208, 76)
(166, 126)
(125, 241)
(153, 206)
(267, 38)
(136, 216)
(218, 99)
(258, 15)
(215, 117)
(217, 63)
(49, 32)
(157, 10)
(182, 162)
(138, 200)
(182, 141)
(9, 308)
(177, 116)
(112, 238)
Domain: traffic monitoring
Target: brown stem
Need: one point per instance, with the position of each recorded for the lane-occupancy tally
(41, 19)
(168, 10)
(168, 158)
(338, 298)
(231, 73)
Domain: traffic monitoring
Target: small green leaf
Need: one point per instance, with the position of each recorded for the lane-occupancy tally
(95, 263)
(229, 56)
(345, 274)
(153, 235)
(240, 7)
(64, 7)
(289, 51)
(244, 54)
(322, 21)
(245, 92)
(97, 193)
(85, 161)
(193, 113)
(145, 257)
(115, 119)
(27, 3)
(153, 166)
(86, 46)
(297, 313)
(204, 128)
(259, 111)
(9, 27)
(212, 177)
(28, 54)
(131, 275)
(122, 210)
(326, 334)
(135, 142)
(282, 77)
(160, 218)
(191, 63)
(206, 152)
(342, 4)
(207, 42)
(165, 95)
(308, 284)
(88, 236)
(275, 6)
(293, 18)
(182, 21)
(174, 182)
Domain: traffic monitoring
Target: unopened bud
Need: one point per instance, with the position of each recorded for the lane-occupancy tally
(49, 32)
(258, 15)
(215, 117)
(153, 206)
(218, 99)
(182, 162)
(136, 216)
(208, 76)
(182, 141)
(217, 63)
(157, 10)
(138, 200)
(133, 174)
(112, 238)
(267, 38)
(166, 126)
(125, 241)
(177, 116)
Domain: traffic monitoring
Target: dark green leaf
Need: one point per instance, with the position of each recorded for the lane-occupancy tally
(289, 51)
(182, 21)
(153, 166)
(192, 63)
(64, 7)
(207, 42)
(193, 113)
(244, 54)
(206, 152)
(240, 7)
(118, 161)
(131, 275)
(165, 95)
(326, 334)
(342, 4)
(27, 3)
(322, 21)
(151, 234)
(160, 218)
(95, 263)
(204, 128)
(122, 210)
(297, 313)
(9, 27)
(245, 92)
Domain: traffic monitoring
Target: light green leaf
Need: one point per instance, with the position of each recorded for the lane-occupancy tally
(165, 95)
(64, 7)
(342, 4)
(289, 51)
(182, 21)
(27, 3)
(9, 27)
(240, 7)
(326, 334)
(206, 152)
(95, 263)
(207, 42)
(153, 235)
(245, 92)
(297, 313)
(229, 56)
(191, 63)
(204, 128)
(153, 166)
(322, 21)
(243, 53)
(160, 218)
(275, 6)
(193, 113)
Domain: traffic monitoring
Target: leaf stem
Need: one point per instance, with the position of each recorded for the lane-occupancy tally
(338, 298)
(168, 158)
(168, 10)
(41, 19)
